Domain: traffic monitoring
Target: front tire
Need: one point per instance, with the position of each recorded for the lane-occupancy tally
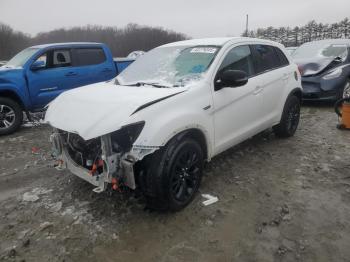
(11, 116)
(290, 118)
(171, 176)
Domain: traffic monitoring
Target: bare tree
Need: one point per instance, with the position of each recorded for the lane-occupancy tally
(11, 41)
(121, 41)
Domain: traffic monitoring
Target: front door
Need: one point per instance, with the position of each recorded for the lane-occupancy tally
(54, 76)
(237, 110)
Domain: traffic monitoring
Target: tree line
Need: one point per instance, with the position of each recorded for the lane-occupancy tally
(296, 36)
(121, 41)
(133, 37)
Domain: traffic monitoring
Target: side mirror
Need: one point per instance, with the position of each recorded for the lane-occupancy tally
(231, 78)
(37, 65)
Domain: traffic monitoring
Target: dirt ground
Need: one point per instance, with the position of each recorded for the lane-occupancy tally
(279, 200)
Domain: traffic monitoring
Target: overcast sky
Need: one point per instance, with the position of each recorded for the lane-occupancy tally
(196, 18)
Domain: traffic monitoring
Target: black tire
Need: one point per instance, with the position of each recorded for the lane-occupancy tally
(165, 184)
(9, 124)
(340, 92)
(290, 118)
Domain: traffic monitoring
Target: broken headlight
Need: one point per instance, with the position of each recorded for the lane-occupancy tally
(333, 74)
(124, 138)
(56, 145)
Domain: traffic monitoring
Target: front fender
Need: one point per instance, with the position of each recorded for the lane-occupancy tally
(15, 92)
(158, 133)
(14, 84)
(170, 117)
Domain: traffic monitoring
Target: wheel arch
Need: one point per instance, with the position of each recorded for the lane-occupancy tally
(12, 95)
(197, 135)
(296, 92)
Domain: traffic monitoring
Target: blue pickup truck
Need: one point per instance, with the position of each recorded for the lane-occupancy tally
(38, 74)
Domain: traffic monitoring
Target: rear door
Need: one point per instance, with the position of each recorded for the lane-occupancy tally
(56, 75)
(93, 65)
(271, 66)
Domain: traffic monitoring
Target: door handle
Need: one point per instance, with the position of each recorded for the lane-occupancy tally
(106, 70)
(71, 74)
(285, 77)
(258, 89)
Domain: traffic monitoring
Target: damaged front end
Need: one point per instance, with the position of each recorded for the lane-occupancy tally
(104, 160)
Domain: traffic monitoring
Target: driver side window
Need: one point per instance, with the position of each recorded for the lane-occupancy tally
(238, 58)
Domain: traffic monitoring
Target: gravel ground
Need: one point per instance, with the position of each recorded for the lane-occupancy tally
(279, 200)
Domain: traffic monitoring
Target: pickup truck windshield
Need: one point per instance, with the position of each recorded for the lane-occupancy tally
(22, 57)
(169, 66)
(321, 50)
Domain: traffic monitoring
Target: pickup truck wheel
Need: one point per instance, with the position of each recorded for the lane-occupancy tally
(172, 175)
(290, 118)
(11, 116)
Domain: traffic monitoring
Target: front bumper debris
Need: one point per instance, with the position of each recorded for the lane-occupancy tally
(115, 167)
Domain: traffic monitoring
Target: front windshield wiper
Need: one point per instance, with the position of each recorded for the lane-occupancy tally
(150, 84)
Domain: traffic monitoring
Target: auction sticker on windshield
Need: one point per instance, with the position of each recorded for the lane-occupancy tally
(205, 50)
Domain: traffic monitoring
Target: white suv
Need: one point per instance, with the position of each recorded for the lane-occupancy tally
(174, 108)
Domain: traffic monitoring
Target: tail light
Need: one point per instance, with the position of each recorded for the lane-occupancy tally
(300, 70)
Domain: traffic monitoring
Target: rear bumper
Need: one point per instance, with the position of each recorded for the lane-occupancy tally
(319, 96)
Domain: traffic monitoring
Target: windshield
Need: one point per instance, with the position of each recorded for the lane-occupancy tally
(169, 66)
(22, 57)
(321, 50)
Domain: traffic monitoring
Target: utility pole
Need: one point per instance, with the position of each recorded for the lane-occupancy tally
(246, 26)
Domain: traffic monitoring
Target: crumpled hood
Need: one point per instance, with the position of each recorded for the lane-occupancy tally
(98, 109)
(313, 66)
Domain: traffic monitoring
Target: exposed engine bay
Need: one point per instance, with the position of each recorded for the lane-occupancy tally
(103, 160)
(84, 153)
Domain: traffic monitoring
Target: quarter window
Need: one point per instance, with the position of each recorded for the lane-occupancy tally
(238, 58)
(282, 58)
(265, 58)
(89, 56)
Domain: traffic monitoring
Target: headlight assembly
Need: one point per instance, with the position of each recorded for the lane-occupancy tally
(333, 74)
(124, 138)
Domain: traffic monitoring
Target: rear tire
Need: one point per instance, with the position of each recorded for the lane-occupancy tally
(170, 177)
(340, 93)
(290, 118)
(11, 116)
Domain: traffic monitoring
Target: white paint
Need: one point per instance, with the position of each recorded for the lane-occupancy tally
(210, 199)
(99, 109)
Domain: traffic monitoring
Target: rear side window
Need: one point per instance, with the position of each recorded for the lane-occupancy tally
(89, 56)
(281, 56)
(238, 58)
(265, 58)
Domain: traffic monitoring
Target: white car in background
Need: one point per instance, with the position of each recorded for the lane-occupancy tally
(291, 49)
(136, 54)
(174, 108)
